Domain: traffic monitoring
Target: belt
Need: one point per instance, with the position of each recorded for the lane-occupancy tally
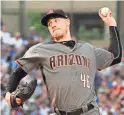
(77, 111)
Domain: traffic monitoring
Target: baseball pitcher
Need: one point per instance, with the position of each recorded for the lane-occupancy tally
(68, 66)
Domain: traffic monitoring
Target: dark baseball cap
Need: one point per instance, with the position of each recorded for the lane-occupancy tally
(53, 13)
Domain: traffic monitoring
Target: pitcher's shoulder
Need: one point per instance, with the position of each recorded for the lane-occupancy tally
(42, 44)
(36, 46)
(84, 43)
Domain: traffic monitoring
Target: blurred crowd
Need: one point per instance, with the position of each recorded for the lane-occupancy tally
(109, 83)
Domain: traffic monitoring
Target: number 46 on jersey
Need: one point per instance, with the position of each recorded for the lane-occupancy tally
(85, 79)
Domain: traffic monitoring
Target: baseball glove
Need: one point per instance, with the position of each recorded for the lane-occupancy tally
(23, 92)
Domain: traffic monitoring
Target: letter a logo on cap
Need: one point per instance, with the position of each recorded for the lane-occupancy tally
(50, 11)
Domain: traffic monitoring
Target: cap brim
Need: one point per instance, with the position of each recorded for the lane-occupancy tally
(44, 20)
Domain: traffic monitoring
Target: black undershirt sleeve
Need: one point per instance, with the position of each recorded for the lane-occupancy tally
(14, 79)
(115, 45)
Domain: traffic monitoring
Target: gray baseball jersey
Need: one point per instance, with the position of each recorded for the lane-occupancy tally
(69, 73)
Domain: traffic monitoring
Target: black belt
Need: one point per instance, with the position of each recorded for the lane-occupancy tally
(77, 111)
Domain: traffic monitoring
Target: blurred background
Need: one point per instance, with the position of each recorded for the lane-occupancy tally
(21, 28)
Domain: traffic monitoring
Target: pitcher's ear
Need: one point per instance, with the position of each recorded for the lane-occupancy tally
(68, 22)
